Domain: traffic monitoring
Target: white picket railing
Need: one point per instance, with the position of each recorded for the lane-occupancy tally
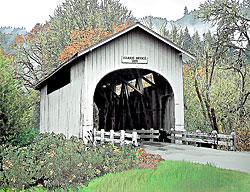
(116, 137)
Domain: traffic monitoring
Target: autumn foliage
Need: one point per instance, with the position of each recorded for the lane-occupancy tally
(1, 51)
(86, 37)
(19, 39)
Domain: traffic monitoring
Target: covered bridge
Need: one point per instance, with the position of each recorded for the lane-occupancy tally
(131, 80)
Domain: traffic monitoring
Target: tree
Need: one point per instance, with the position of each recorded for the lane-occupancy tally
(163, 25)
(186, 40)
(37, 54)
(76, 15)
(85, 38)
(16, 124)
(30, 56)
(185, 11)
(147, 21)
(233, 26)
(173, 36)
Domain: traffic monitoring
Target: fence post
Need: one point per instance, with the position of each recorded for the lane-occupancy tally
(172, 135)
(151, 134)
(122, 137)
(234, 141)
(197, 144)
(94, 135)
(102, 136)
(112, 136)
(143, 133)
(184, 138)
(214, 135)
(134, 138)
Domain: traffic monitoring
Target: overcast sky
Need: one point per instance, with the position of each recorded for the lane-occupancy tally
(26, 13)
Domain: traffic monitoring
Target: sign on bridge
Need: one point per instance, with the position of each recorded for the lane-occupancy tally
(134, 60)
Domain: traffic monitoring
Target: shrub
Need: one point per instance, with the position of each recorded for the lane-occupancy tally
(53, 161)
(17, 126)
(146, 161)
(243, 139)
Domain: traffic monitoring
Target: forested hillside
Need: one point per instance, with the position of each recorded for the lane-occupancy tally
(8, 34)
(188, 21)
(7, 37)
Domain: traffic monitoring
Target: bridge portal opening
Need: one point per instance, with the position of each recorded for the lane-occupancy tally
(130, 99)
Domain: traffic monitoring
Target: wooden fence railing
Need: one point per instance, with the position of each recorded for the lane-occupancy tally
(150, 134)
(120, 137)
(198, 138)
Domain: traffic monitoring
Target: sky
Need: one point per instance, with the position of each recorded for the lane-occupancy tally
(26, 13)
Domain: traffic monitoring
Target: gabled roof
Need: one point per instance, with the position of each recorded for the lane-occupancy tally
(106, 40)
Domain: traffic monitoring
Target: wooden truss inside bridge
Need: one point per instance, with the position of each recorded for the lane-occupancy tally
(129, 99)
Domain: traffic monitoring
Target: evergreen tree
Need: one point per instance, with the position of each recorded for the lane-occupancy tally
(187, 41)
(196, 43)
(163, 27)
(174, 34)
(181, 38)
(185, 11)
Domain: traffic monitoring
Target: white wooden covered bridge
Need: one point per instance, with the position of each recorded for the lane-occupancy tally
(134, 78)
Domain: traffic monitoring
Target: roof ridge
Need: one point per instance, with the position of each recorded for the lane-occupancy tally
(110, 38)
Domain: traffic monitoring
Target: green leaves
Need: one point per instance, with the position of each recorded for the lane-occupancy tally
(37, 55)
(16, 124)
(52, 161)
(221, 71)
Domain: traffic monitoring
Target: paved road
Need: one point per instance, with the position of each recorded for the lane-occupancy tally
(223, 159)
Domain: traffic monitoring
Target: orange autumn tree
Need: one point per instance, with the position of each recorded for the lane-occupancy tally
(86, 37)
(18, 39)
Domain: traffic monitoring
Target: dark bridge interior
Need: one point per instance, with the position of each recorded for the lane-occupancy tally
(129, 99)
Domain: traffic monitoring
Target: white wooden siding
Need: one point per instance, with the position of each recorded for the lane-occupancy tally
(70, 109)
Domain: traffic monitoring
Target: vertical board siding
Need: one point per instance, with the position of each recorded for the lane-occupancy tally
(69, 110)
(60, 110)
(161, 58)
(43, 98)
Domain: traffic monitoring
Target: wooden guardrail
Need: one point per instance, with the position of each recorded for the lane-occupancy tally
(150, 134)
(198, 138)
(120, 137)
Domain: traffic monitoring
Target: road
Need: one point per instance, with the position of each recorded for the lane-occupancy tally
(234, 160)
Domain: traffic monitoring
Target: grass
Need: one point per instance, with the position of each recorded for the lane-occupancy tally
(173, 176)
(170, 176)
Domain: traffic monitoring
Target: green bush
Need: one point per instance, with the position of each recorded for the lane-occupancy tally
(243, 139)
(53, 161)
(16, 123)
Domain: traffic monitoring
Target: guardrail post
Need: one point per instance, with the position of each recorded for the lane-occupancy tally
(134, 138)
(184, 138)
(152, 134)
(214, 136)
(143, 133)
(102, 136)
(122, 137)
(112, 136)
(234, 141)
(197, 144)
(94, 136)
(172, 135)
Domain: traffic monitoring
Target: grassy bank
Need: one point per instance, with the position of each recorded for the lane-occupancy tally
(169, 176)
(173, 176)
